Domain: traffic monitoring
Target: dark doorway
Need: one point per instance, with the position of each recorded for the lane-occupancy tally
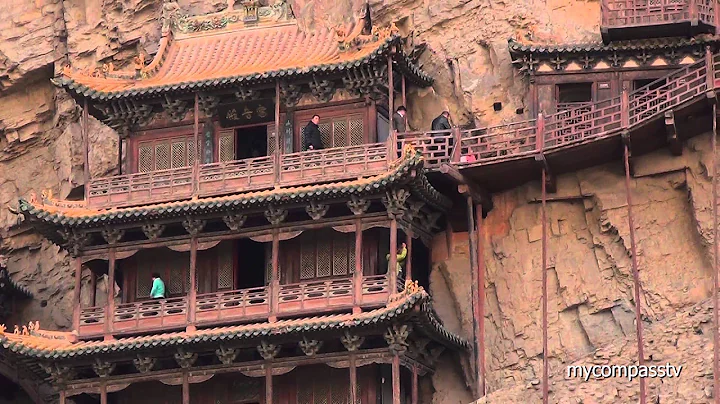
(251, 264)
(637, 84)
(251, 142)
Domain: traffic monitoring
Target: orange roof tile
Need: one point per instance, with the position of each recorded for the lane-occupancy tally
(232, 54)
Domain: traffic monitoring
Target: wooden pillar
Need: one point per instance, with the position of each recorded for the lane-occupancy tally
(192, 295)
(480, 340)
(277, 132)
(545, 387)
(86, 147)
(396, 379)
(716, 260)
(62, 397)
(120, 153)
(358, 274)
(391, 91)
(103, 393)
(404, 98)
(268, 383)
(392, 262)
(408, 258)
(274, 275)
(353, 379)
(414, 393)
(185, 389)
(474, 292)
(110, 304)
(196, 132)
(77, 293)
(93, 288)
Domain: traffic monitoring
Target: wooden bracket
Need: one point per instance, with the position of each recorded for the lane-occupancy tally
(674, 142)
(711, 97)
(550, 180)
(468, 187)
(626, 142)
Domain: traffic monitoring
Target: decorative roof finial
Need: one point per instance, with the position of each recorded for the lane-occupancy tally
(170, 11)
(251, 10)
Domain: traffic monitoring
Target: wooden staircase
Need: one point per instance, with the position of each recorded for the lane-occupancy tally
(504, 156)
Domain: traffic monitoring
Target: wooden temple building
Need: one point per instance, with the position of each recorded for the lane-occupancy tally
(275, 258)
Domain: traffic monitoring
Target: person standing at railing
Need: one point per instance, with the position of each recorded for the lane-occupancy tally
(158, 287)
(401, 255)
(312, 135)
(441, 123)
(400, 119)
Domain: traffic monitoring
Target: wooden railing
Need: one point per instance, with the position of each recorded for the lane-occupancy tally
(253, 174)
(573, 124)
(254, 304)
(629, 13)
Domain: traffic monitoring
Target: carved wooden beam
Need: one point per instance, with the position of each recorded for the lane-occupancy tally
(316, 210)
(358, 206)
(234, 222)
(144, 364)
(102, 368)
(268, 351)
(310, 347)
(478, 194)
(112, 235)
(352, 342)
(153, 231)
(397, 338)
(175, 109)
(275, 216)
(322, 90)
(394, 201)
(185, 359)
(193, 226)
(226, 355)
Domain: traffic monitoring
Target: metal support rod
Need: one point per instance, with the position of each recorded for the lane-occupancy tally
(396, 379)
(185, 389)
(480, 340)
(414, 393)
(474, 292)
(391, 92)
(716, 249)
(268, 383)
(77, 293)
(86, 146)
(392, 262)
(545, 386)
(353, 379)
(636, 275)
(110, 304)
(192, 294)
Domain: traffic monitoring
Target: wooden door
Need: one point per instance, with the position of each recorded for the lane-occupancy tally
(339, 127)
(163, 153)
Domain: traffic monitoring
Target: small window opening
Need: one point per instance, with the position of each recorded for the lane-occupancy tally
(574, 93)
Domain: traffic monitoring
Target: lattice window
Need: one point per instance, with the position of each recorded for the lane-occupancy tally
(340, 256)
(271, 140)
(162, 156)
(226, 149)
(145, 158)
(307, 260)
(324, 386)
(357, 132)
(340, 135)
(143, 282)
(225, 268)
(179, 275)
(305, 393)
(191, 148)
(326, 134)
(324, 253)
(179, 156)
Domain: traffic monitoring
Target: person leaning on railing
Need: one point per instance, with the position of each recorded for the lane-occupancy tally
(158, 287)
(401, 255)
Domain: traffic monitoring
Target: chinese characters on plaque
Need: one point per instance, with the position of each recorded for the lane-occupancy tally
(247, 113)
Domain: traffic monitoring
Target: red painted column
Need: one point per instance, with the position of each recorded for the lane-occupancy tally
(358, 274)
(86, 147)
(277, 132)
(185, 389)
(636, 275)
(268, 383)
(392, 264)
(196, 132)
(62, 397)
(414, 393)
(408, 259)
(353, 379)
(274, 275)
(396, 379)
(192, 294)
(481, 296)
(93, 287)
(474, 294)
(545, 387)
(103, 393)
(110, 304)
(77, 293)
(391, 92)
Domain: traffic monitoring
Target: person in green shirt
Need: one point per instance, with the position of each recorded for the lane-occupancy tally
(158, 287)
(401, 255)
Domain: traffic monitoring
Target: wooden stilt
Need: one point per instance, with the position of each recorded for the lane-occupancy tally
(481, 295)
(185, 389)
(545, 387)
(268, 383)
(62, 397)
(103, 393)
(474, 292)
(414, 394)
(716, 260)
(353, 380)
(392, 262)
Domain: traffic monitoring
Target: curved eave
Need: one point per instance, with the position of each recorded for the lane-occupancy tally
(413, 72)
(425, 317)
(49, 222)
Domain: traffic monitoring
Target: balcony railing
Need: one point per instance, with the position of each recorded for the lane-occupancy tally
(253, 174)
(317, 297)
(633, 14)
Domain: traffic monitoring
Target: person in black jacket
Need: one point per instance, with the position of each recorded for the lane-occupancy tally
(441, 122)
(399, 119)
(312, 135)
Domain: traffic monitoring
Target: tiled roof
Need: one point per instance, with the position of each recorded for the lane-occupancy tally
(227, 57)
(619, 46)
(398, 175)
(7, 284)
(47, 345)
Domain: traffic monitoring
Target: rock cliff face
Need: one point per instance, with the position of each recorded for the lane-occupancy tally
(590, 305)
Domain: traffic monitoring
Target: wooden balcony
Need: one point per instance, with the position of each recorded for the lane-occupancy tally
(308, 167)
(638, 19)
(577, 136)
(237, 306)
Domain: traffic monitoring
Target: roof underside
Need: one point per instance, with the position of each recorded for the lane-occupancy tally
(231, 57)
(413, 306)
(616, 46)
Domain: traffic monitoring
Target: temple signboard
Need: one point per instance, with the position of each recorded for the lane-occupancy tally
(246, 113)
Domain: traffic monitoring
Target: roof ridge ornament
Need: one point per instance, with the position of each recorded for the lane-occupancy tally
(251, 14)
